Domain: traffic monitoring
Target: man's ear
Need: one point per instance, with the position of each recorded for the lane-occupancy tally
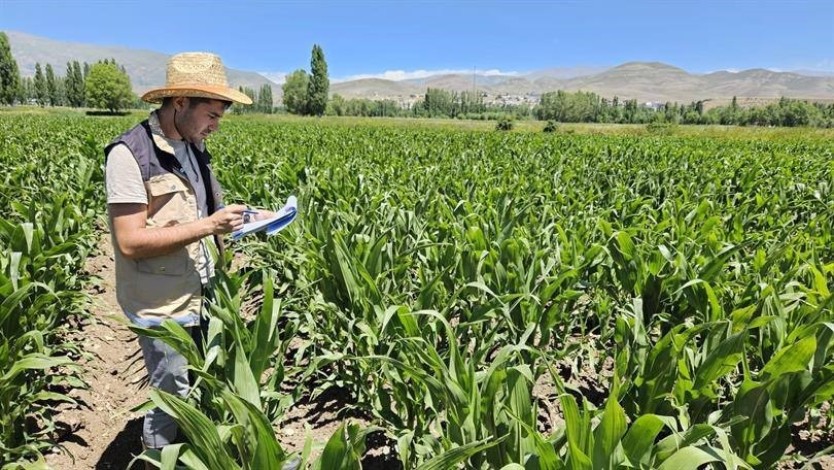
(180, 102)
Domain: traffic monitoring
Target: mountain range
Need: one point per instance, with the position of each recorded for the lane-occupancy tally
(644, 81)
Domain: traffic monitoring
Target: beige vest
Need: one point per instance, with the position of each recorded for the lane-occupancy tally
(151, 290)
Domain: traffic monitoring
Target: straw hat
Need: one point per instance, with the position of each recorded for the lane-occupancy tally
(196, 74)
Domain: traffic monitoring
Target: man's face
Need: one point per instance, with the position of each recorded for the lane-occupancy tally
(196, 119)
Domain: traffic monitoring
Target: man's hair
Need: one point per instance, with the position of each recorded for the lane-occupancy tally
(195, 100)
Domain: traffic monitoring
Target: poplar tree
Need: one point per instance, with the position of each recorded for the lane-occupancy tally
(27, 90)
(250, 92)
(80, 81)
(51, 87)
(265, 99)
(9, 73)
(41, 93)
(71, 87)
(319, 84)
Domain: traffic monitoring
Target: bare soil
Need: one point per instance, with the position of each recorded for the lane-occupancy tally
(101, 432)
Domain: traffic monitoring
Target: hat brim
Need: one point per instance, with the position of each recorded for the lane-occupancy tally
(217, 93)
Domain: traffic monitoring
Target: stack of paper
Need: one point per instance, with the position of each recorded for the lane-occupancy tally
(273, 225)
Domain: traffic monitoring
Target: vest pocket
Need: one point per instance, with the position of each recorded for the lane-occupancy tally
(170, 201)
(174, 264)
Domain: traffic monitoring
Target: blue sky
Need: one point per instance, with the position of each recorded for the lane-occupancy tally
(404, 37)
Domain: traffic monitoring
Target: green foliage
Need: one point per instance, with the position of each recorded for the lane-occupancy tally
(465, 105)
(661, 128)
(686, 278)
(580, 106)
(319, 85)
(295, 92)
(250, 93)
(339, 106)
(79, 87)
(74, 85)
(44, 242)
(108, 87)
(27, 90)
(551, 126)
(41, 90)
(438, 102)
(504, 124)
(9, 73)
(264, 102)
(54, 87)
(564, 106)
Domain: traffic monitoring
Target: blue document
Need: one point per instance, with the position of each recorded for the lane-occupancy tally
(273, 225)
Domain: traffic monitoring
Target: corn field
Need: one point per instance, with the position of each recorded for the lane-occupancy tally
(452, 284)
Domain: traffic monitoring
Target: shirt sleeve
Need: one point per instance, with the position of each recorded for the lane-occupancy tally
(123, 179)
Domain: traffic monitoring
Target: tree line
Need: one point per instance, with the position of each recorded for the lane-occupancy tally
(562, 106)
(103, 85)
(436, 103)
(262, 101)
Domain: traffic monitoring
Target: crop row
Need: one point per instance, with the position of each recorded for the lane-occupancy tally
(451, 284)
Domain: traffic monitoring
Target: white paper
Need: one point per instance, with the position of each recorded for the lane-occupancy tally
(273, 225)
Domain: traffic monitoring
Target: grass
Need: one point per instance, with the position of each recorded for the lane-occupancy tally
(522, 126)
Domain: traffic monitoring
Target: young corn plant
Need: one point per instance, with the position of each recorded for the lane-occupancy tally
(233, 392)
(39, 288)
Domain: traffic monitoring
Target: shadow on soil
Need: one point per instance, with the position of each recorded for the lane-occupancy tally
(333, 406)
(123, 448)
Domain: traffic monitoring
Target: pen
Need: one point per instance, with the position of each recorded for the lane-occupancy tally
(250, 211)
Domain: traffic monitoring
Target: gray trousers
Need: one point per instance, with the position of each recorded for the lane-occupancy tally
(167, 371)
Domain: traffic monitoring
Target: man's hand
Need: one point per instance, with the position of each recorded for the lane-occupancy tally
(264, 214)
(227, 219)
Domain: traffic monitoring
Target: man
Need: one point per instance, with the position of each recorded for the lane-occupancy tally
(165, 208)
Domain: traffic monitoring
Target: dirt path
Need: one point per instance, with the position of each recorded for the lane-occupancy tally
(101, 432)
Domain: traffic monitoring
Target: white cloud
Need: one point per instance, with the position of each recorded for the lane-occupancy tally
(823, 66)
(398, 75)
(735, 70)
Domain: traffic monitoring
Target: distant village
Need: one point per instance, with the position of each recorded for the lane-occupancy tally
(529, 100)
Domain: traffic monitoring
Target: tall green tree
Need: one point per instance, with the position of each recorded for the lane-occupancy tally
(438, 102)
(51, 87)
(74, 85)
(265, 99)
(41, 91)
(79, 78)
(60, 91)
(295, 92)
(69, 84)
(319, 84)
(9, 73)
(27, 89)
(108, 87)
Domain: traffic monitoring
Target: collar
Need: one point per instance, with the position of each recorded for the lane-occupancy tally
(159, 137)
